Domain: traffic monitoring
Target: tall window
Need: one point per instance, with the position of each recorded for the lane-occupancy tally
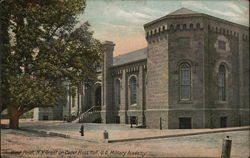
(132, 90)
(185, 81)
(117, 92)
(221, 82)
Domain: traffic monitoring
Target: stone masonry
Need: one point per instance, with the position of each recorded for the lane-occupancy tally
(153, 99)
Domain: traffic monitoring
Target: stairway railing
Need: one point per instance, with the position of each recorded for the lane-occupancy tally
(90, 110)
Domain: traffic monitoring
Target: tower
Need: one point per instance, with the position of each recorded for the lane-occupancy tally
(106, 112)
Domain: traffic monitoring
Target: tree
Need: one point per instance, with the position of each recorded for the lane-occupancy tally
(41, 49)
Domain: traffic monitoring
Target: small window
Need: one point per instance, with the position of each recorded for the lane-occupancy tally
(198, 25)
(191, 26)
(133, 90)
(133, 120)
(185, 123)
(45, 117)
(184, 26)
(117, 119)
(171, 27)
(222, 45)
(184, 42)
(178, 27)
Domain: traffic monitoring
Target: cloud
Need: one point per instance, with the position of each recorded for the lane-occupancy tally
(152, 11)
(228, 14)
(130, 16)
(236, 8)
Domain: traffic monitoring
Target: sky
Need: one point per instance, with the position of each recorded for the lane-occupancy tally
(121, 21)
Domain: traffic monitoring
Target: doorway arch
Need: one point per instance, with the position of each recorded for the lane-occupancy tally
(98, 96)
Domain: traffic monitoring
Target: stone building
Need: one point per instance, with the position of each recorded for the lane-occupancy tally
(194, 73)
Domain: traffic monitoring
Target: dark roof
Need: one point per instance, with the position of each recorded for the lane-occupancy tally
(130, 57)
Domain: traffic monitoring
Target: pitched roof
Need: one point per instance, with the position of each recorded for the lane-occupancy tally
(130, 57)
(183, 11)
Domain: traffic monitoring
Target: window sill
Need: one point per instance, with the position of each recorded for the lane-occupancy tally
(221, 102)
(133, 104)
(185, 102)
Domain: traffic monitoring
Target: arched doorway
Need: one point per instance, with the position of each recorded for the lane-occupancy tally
(98, 99)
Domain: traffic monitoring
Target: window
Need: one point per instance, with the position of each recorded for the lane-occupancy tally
(117, 119)
(117, 92)
(198, 25)
(184, 26)
(184, 42)
(133, 90)
(185, 123)
(185, 83)
(178, 27)
(222, 45)
(171, 27)
(191, 26)
(45, 117)
(133, 120)
(221, 83)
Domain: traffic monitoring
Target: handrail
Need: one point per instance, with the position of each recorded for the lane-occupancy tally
(93, 107)
(98, 108)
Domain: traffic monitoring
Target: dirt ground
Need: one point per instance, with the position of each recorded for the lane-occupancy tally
(16, 143)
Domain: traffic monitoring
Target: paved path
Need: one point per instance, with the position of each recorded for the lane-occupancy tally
(117, 132)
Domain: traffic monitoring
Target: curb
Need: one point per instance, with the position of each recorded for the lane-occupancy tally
(47, 133)
(54, 134)
(177, 135)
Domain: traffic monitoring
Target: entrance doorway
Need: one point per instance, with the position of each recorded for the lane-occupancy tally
(223, 122)
(98, 96)
(185, 123)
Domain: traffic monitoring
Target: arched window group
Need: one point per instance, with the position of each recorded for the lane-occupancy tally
(185, 81)
(133, 90)
(222, 83)
(117, 92)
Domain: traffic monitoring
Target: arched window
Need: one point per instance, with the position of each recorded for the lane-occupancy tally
(222, 83)
(171, 27)
(117, 92)
(185, 81)
(198, 25)
(184, 26)
(191, 26)
(132, 90)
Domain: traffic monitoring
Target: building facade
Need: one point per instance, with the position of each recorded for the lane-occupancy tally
(194, 73)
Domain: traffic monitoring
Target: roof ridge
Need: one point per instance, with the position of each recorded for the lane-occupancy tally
(131, 52)
(183, 10)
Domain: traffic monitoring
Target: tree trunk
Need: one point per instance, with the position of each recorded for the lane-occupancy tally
(14, 118)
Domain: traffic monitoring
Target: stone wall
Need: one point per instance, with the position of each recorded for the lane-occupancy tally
(194, 39)
(125, 110)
